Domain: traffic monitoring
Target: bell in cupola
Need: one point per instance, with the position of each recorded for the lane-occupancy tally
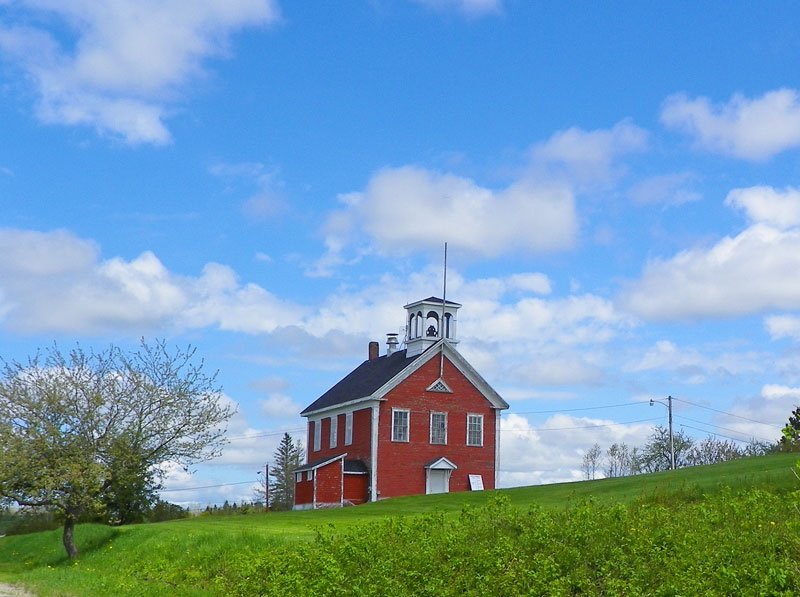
(428, 321)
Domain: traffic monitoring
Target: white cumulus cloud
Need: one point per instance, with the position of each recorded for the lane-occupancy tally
(768, 205)
(750, 129)
(749, 273)
(783, 326)
(121, 64)
(410, 208)
(752, 272)
(587, 157)
(552, 452)
(512, 328)
(57, 282)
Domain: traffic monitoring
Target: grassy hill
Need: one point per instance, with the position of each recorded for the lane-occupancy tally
(731, 524)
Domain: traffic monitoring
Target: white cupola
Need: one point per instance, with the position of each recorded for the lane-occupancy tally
(427, 321)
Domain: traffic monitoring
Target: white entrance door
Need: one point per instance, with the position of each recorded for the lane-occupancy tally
(438, 481)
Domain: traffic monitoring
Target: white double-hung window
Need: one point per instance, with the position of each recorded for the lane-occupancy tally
(348, 428)
(438, 428)
(474, 430)
(317, 435)
(400, 421)
(334, 431)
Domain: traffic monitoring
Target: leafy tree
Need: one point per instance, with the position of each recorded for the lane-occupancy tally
(621, 461)
(162, 511)
(790, 438)
(711, 450)
(656, 455)
(760, 448)
(288, 456)
(261, 491)
(86, 433)
(591, 461)
(132, 486)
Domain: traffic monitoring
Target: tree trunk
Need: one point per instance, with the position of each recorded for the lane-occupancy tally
(69, 537)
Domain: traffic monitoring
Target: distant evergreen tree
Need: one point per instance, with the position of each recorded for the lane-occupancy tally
(286, 459)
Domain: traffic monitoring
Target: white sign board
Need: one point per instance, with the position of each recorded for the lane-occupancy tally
(476, 482)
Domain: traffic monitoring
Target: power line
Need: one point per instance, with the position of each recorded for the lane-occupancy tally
(586, 426)
(567, 410)
(243, 437)
(718, 427)
(208, 486)
(736, 439)
(266, 434)
(543, 412)
(727, 413)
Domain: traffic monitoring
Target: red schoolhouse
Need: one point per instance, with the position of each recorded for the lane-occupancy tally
(412, 421)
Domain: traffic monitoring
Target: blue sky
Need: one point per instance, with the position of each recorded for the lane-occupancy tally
(272, 181)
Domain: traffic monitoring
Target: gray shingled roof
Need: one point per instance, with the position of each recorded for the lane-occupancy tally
(314, 464)
(350, 466)
(363, 380)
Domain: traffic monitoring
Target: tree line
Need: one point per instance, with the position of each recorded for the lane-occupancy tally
(620, 460)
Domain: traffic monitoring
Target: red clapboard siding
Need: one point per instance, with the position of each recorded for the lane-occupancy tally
(355, 488)
(303, 492)
(328, 481)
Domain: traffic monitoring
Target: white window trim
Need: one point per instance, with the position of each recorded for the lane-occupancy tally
(310, 475)
(298, 477)
(334, 441)
(317, 435)
(408, 424)
(442, 443)
(480, 418)
(348, 428)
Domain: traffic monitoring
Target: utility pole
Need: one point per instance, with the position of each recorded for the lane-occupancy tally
(266, 480)
(671, 443)
(668, 404)
(265, 472)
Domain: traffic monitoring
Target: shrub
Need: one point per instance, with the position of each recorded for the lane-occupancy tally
(727, 544)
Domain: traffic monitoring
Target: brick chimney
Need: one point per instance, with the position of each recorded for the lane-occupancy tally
(374, 348)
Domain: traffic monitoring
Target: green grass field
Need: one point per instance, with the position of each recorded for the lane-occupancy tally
(224, 555)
